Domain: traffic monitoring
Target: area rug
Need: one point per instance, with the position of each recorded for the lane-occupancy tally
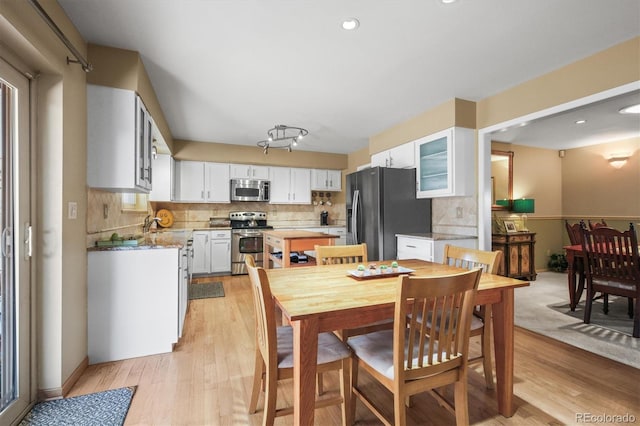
(543, 307)
(206, 290)
(108, 408)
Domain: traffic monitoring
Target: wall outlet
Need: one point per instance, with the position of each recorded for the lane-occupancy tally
(105, 211)
(459, 212)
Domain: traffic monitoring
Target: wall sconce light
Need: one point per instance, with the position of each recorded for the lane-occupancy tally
(618, 160)
(524, 206)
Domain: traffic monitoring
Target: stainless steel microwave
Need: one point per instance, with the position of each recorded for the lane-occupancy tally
(249, 190)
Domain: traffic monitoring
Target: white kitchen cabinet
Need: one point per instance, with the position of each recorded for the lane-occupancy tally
(133, 303)
(201, 262)
(211, 252)
(220, 251)
(249, 171)
(204, 182)
(445, 164)
(429, 248)
(119, 132)
(399, 157)
(162, 167)
(290, 185)
(342, 233)
(326, 180)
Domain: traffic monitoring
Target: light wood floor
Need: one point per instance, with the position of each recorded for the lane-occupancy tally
(207, 379)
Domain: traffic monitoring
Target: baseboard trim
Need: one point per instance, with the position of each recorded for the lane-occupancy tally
(57, 393)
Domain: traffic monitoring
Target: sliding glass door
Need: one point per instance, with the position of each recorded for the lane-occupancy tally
(15, 245)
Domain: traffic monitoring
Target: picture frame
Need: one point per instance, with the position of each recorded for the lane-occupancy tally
(510, 226)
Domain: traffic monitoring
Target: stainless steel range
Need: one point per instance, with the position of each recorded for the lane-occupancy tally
(246, 238)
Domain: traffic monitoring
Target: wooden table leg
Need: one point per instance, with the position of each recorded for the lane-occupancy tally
(305, 354)
(503, 327)
(571, 277)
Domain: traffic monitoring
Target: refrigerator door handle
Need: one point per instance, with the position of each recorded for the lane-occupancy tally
(354, 216)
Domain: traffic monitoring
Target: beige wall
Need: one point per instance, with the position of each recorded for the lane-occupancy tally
(59, 172)
(227, 153)
(592, 187)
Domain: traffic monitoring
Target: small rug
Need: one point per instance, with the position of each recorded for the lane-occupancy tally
(101, 408)
(206, 290)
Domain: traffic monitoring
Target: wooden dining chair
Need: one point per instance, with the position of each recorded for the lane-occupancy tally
(489, 262)
(274, 354)
(612, 266)
(331, 255)
(408, 359)
(349, 254)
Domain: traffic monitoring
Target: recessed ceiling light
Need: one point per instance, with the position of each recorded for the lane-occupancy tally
(448, 1)
(631, 109)
(350, 24)
(581, 121)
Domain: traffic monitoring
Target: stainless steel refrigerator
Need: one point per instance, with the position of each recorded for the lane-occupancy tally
(381, 202)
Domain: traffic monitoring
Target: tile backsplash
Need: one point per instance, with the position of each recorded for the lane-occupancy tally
(105, 214)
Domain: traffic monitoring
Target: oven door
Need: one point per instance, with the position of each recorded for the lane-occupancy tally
(244, 242)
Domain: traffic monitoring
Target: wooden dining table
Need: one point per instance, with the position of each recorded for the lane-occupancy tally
(316, 299)
(574, 253)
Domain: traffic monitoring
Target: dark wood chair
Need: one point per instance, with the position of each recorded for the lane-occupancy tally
(597, 224)
(612, 266)
(575, 238)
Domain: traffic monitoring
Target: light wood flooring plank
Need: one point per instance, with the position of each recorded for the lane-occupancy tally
(207, 379)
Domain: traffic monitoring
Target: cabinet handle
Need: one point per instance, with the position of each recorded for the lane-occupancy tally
(390, 161)
(411, 246)
(202, 194)
(208, 195)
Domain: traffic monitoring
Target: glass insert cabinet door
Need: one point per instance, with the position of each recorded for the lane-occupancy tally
(434, 165)
(444, 163)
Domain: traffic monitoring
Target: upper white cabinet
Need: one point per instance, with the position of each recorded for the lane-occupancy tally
(326, 180)
(247, 171)
(119, 131)
(290, 185)
(399, 157)
(444, 163)
(162, 167)
(199, 181)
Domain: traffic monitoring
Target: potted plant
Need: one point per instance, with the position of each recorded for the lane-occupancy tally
(558, 262)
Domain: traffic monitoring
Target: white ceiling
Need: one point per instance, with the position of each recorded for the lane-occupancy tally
(228, 70)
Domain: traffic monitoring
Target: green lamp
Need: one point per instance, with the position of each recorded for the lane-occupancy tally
(524, 206)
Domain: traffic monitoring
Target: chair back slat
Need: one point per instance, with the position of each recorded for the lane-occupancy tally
(612, 255)
(331, 255)
(447, 299)
(467, 258)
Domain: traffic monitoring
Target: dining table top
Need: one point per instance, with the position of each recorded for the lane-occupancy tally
(314, 290)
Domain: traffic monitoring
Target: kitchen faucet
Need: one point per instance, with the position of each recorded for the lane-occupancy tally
(148, 222)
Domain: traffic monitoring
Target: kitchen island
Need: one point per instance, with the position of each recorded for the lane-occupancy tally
(286, 242)
(137, 296)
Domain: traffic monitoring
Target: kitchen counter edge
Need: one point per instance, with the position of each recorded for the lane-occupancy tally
(438, 236)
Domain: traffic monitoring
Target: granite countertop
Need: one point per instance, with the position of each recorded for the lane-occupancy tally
(153, 240)
(437, 236)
